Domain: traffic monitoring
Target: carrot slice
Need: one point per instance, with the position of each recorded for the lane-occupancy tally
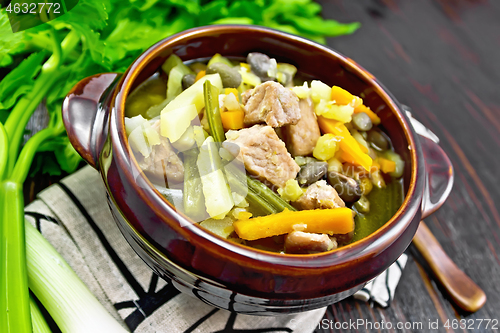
(199, 75)
(347, 143)
(346, 158)
(322, 221)
(373, 116)
(341, 96)
(386, 165)
(232, 119)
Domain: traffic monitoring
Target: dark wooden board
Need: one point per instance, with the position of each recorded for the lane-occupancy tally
(440, 57)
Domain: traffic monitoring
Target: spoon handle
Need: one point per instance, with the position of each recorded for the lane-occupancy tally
(464, 292)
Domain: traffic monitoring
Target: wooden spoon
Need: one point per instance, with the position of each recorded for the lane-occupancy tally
(464, 292)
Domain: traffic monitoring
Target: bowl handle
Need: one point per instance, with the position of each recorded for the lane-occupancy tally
(85, 114)
(438, 168)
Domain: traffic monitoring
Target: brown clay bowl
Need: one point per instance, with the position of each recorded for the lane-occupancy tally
(225, 274)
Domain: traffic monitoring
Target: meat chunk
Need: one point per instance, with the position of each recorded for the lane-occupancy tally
(303, 242)
(163, 163)
(301, 138)
(271, 103)
(263, 154)
(319, 195)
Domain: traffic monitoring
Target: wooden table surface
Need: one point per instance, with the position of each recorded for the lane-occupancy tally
(441, 58)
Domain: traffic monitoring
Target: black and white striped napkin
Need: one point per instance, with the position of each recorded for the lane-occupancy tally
(74, 217)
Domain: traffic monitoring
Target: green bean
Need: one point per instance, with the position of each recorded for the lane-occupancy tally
(194, 203)
(303, 160)
(213, 112)
(268, 195)
(258, 194)
(256, 201)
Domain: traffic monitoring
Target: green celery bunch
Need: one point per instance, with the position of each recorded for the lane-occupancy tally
(44, 75)
(136, 25)
(115, 32)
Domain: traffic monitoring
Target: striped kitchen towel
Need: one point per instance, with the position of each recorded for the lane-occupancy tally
(381, 289)
(74, 217)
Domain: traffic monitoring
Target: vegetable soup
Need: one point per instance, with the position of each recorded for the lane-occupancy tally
(260, 157)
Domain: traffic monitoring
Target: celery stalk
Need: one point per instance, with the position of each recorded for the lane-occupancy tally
(15, 258)
(39, 323)
(174, 83)
(72, 306)
(4, 147)
(219, 58)
(131, 123)
(176, 121)
(14, 295)
(14, 301)
(50, 73)
(218, 197)
(170, 63)
(194, 94)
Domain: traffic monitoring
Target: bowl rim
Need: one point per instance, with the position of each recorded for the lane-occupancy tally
(369, 246)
